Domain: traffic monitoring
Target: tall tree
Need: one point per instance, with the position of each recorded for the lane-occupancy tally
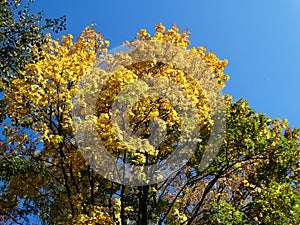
(254, 179)
(20, 30)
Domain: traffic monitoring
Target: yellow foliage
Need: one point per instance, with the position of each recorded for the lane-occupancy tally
(41, 97)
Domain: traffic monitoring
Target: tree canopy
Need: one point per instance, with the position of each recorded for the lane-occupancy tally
(254, 178)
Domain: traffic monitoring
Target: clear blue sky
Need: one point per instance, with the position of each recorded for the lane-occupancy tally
(260, 38)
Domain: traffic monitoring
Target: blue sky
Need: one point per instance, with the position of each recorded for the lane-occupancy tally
(261, 39)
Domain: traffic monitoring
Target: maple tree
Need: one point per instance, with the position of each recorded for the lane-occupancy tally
(254, 179)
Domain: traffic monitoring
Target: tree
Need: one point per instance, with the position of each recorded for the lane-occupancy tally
(19, 31)
(254, 179)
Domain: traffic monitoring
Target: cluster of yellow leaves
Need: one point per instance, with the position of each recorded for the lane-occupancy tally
(145, 110)
(45, 90)
(40, 98)
(96, 215)
(16, 142)
(182, 39)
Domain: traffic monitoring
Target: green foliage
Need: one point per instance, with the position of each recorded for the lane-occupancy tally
(19, 31)
(279, 203)
(224, 213)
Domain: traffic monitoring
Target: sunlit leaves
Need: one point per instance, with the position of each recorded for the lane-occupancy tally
(253, 180)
